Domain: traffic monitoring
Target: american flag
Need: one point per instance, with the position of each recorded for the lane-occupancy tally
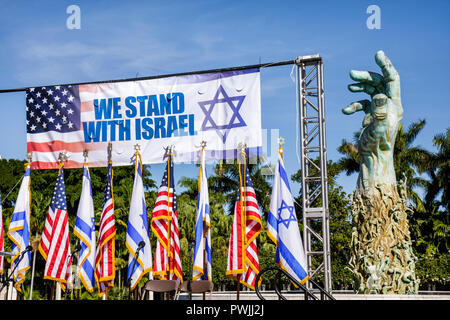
(104, 258)
(167, 254)
(242, 262)
(54, 124)
(55, 243)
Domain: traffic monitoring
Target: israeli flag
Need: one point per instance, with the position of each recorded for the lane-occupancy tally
(202, 249)
(138, 232)
(19, 231)
(283, 227)
(85, 231)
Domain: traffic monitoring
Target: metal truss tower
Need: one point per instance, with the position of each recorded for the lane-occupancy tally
(316, 231)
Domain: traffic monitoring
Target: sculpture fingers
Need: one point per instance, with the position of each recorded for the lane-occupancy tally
(372, 78)
(363, 87)
(362, 105)
(390, 74)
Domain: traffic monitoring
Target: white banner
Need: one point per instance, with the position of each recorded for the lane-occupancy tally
(223, 109)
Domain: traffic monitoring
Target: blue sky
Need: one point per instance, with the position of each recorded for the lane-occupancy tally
(122, 39)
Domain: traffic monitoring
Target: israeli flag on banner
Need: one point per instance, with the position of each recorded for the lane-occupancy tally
(202, 249)
(85, 231)
(137, 231)
(19, 231)
(283, 227)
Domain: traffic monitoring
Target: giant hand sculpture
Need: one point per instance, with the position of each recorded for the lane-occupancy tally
(382, 260)
(380, 124)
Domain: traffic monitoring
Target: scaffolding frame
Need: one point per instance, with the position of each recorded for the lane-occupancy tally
(316, 230)
(313, 154)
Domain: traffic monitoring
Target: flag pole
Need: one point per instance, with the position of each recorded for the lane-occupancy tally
(85, 166)
(205, 226)
(30, 157)
(169, 221)
(105, 296)
(62, 158)
(242, 146)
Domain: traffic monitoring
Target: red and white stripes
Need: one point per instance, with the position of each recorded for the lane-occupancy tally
(242, 263)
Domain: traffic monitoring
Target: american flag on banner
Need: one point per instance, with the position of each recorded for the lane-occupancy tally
(54, 117)
(55, 244)
(167, 254)
(104, 258)
(242, 262)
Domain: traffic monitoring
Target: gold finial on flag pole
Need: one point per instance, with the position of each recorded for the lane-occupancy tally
(242, 146)
(281, 141)
(85, 155)
(109, 151)
(137, 147)
(29, 156)
(63, 156)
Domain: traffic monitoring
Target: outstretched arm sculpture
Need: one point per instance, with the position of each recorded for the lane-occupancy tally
(380, 124)
(382, 260)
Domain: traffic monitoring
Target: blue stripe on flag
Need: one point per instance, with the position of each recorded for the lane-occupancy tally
(134, 234)
(17, 216)
(291, 261)
(272, 221)
(283, 175)
(83, 226)
(144, 216)
(198, 232)
(208, 258)
(89, 270)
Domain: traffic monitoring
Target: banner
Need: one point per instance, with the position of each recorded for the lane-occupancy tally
(223, 109)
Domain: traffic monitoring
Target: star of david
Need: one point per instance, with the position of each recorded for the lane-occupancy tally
(290, 210)
(234, 103)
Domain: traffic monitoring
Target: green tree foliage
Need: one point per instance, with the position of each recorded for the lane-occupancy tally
(340, 228)
(427, 175)
(429, 222)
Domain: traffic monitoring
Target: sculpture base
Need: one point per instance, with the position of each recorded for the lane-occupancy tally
(382, 259)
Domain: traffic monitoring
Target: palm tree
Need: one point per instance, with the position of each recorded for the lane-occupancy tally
(432, 227)
(437, 165)
(408, 159)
